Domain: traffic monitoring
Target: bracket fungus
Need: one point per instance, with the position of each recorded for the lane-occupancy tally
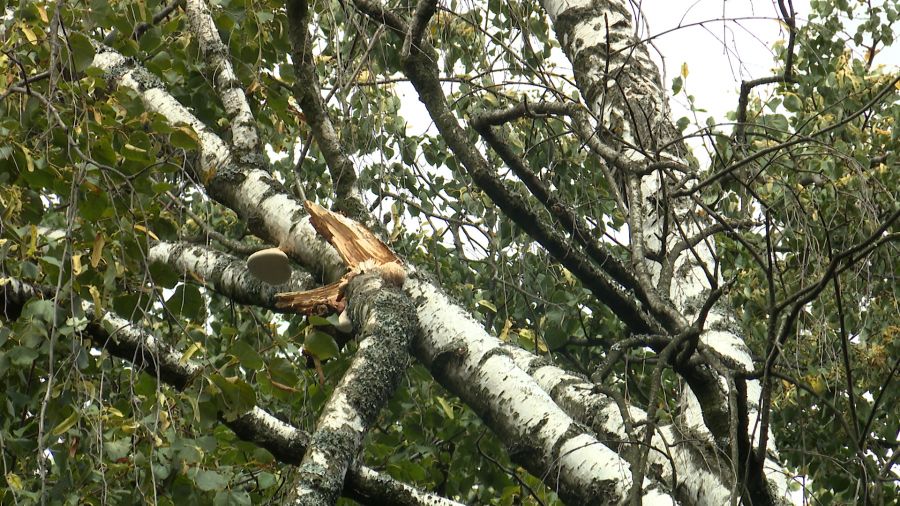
(270, 265)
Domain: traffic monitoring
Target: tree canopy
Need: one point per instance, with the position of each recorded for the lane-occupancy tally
(544, 290)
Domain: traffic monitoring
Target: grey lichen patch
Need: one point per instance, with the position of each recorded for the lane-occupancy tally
(390, 322)
(228, 176)
(251, 160)
(115, 72)
(325, 478)
(568, 19)
(146, 80)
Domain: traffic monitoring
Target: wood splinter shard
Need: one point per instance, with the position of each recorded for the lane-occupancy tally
(359, 248)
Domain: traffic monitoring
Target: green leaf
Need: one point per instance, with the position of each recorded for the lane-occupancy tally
(82, 51)
(118, 449)
(320, 344)
(248, 357)
(210, 480)
(318, 321)
(792, 102)
(677, 84)
(20, 355)
(39, 309)
(184, 138)
(238, 397)
(186, 301)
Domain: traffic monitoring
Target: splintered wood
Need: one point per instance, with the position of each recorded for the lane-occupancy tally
(356, 245)
(354, 242)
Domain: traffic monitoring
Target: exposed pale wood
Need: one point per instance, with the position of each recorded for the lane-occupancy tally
(354, 242)
(318, 301)
(357, 246)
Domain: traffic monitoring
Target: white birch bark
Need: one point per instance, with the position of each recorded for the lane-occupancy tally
(542, 438)
(623, 90)
(246, 188)
(696, 474)
(576, 454)
(227, 274)
(243, 126)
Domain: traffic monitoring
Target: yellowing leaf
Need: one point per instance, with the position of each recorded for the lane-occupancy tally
(129, 427)
(132, 147)
(97, 251)
(76, 264)
(29, 160)
(141, 228)
(504, 334)
(283, 387)
(192, 349)
(445, 406)
(29, 34)
(487, 304)
(14, 481)
(684, 70)
(32, 246)
(65, 424)
(95, 296)
(113, 412)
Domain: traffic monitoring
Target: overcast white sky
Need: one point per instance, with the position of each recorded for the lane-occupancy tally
(719, 54)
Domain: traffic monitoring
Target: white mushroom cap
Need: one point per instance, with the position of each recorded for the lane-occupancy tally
(270, 265)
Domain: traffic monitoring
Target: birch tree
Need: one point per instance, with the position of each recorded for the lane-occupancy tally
(504, 272)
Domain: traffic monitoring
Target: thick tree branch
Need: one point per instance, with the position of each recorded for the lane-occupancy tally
(227, 274)
(547, 441)
(309, 95)
(215, 55)
(622, 88)
(385, 321)
(421, 69)
(241, 183)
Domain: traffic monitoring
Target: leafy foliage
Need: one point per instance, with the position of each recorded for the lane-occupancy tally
(89, 180)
